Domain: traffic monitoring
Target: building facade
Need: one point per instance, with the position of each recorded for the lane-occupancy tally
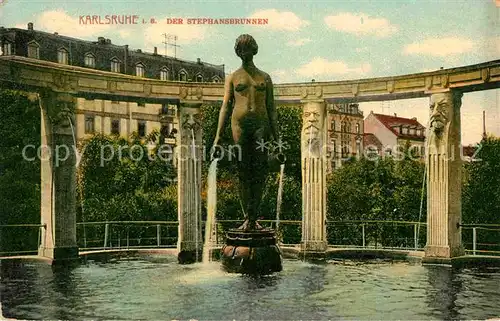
(385, 134)
(104, 116)
(345, 133)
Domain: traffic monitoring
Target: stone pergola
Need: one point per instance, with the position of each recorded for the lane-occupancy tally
(59, 85)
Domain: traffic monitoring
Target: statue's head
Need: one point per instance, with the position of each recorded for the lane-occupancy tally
(246, 46)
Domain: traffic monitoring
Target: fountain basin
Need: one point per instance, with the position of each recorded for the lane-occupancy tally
(251, 252)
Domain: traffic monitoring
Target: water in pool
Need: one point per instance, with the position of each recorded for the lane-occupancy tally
(157, 288)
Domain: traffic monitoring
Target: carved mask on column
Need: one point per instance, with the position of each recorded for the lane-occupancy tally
(191, 121)
(439, 109)
(312, 129)
(62, 115)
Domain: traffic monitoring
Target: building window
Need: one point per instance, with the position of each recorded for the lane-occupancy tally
(332, 125)
(343, 127)
(412, 131)
(115, 126)
(199, 78)
(89, 124)
(358, 147)
(357, 128)
(62, 56)
(164, 74)
(90, 60)
(215, 79)
(141, 128)
(167, 109)
(6, 49)
(141, 104)
(405, 130)
(182, 75)
(139, 70)
(33, 50)
(115, 65)
(345, 149)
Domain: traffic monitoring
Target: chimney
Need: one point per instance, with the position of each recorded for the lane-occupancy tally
(395, 115)
(108, 41)
(198, 61)
(56, 33)
(125, 58)
(101, 40)
(30, 26)
(155, 51)
(414, 118)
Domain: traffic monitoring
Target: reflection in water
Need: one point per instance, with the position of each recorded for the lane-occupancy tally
(442, 294)
(158, 288)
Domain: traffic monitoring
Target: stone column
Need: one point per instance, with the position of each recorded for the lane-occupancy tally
(58, 177)
(444, 168)
(190, 241)
(314, 158)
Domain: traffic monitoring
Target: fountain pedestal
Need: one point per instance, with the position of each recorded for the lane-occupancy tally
(251, 252)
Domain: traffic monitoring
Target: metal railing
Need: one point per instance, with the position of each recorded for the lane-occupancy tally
(488, 233)
(483, 239)
(27, 244)
(377, 234)
(126, 234)
(358, 234)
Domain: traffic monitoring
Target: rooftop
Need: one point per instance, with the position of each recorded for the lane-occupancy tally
(402, 127)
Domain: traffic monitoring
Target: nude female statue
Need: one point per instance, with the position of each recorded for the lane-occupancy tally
(249, 97)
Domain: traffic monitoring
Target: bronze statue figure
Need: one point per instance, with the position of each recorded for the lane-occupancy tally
(248, 96)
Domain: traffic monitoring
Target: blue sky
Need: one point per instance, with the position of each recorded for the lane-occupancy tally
(324, 40)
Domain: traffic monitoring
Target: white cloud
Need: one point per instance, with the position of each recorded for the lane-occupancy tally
(280, 76)
(298, 42)
(59, 21)
(186, 33)
(488, 47)
(360, 24)
(323, 67)
(440, 47)
(284, 20)
(124, 33)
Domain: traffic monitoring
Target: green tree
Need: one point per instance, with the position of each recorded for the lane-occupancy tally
(19, 176)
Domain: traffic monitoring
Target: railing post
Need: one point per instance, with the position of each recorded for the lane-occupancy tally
(363, 232)
(128, 230)
(216, 233)
(415, 236)
(158, 234)
(106, 231)
(474, 240)
(84, 236)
